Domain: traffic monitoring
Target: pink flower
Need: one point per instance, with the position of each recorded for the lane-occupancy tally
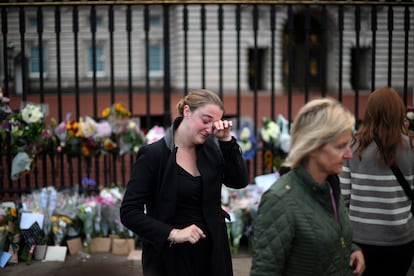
(103, 130)
(46, 134)
(154, 134)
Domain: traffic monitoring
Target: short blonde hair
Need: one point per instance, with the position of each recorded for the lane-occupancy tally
(317, 123)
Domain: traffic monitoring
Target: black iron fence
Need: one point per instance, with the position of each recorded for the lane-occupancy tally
(264, 58)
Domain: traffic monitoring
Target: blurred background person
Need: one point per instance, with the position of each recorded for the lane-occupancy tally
(379, 209)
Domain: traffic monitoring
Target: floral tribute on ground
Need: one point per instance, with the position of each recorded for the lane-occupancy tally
(47, 217)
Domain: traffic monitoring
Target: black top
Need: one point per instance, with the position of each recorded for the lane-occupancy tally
(186, 258)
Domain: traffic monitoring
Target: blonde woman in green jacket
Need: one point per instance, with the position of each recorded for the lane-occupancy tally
(302, 226)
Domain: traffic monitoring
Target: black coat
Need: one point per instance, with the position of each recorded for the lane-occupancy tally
(149, 203)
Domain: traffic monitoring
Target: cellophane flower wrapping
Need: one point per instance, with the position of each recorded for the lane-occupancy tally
(28, 134)
(154, 134)
(42, 201)
(60, 226)
(242, 206)
(109, 200)
(132, 138)
(86, 213)
(67, 202)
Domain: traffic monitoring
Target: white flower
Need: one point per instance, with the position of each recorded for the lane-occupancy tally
(245, 133)
(88, 127)
(135, 149)
(410, 115)
(154, 134)
(244, 139)
(270, 131)
(245, 145)
(132, 125)
(32, 114)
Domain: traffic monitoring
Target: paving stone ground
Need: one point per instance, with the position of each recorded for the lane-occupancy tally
(100, 264)
(106, 264)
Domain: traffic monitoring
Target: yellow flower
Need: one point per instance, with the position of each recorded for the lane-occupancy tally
(119, 107)
(85, 150)
(55, 228)
(13, 212)
(106, 112)
(66, 219)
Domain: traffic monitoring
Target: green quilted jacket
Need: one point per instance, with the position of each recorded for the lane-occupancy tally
(296, 232)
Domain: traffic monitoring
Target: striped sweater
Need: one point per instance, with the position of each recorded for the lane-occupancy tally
(379, 210)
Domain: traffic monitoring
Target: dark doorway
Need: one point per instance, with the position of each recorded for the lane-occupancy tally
(306, 62)
(360, 67)
(256, 70)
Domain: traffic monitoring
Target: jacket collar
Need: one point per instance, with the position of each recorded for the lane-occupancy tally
(332, 181)
(169, 135)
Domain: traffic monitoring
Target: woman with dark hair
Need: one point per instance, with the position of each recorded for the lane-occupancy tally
(173, 199)
(379, 209)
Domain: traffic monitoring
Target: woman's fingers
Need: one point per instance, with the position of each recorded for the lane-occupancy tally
(191, 234)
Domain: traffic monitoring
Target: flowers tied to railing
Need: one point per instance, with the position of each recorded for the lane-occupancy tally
(25, 135)
(275, 141)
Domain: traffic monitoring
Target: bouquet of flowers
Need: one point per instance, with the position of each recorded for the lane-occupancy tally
(11, 219)
(27, 128)
(242, 206)
(86, 213)
(60, 224)
(126, 133)
(276, 142)
(247, 141)
(118, 116)
(80, 136)
(109, 200)
(41, 201)
(132, 138)
(11, 228)
(409, 120)
(270, 131)
(154, 134)
(28, 135)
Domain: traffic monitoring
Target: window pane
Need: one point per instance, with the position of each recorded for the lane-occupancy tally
(155, 21)
(34, 62)
(98, 21)
(33, 22)
(100, 59)
(155, 58)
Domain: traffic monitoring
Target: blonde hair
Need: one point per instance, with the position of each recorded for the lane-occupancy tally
(317, 123)
(199, 98)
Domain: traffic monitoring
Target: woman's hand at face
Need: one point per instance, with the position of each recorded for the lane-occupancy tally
(222, 129)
